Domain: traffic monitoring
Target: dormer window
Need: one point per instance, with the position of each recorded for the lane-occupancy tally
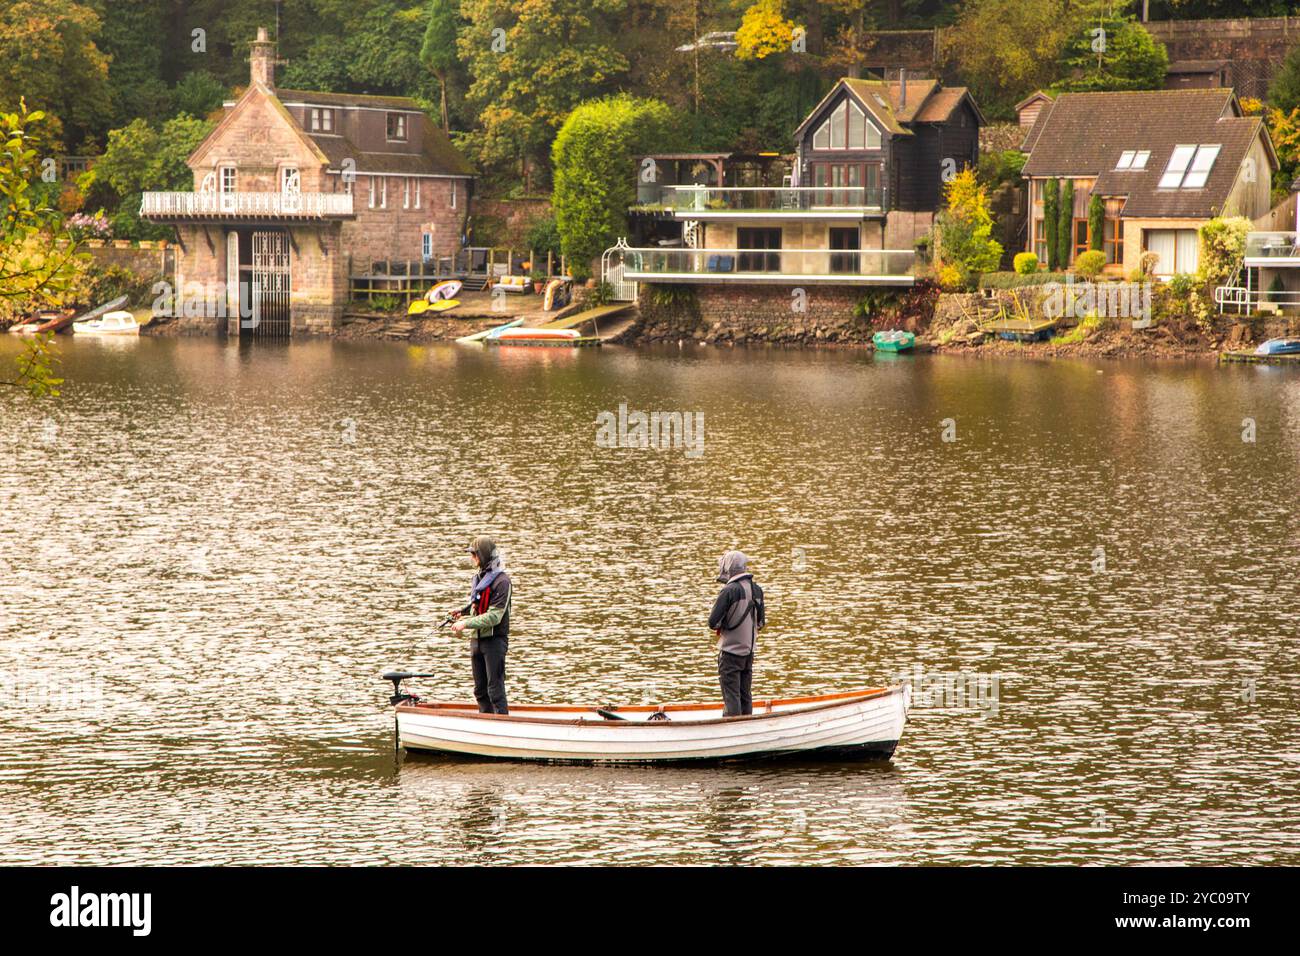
(1189, 167)
(322, 120)
(1133, 159)
(847, 128)
(397, 126)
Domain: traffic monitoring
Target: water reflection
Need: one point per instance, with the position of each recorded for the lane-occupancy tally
(210, 551)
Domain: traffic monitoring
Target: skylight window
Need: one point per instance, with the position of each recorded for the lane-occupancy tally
(1133, 159)
(1189, 167)
(1201, 166)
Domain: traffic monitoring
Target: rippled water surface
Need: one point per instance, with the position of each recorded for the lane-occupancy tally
(208, 553)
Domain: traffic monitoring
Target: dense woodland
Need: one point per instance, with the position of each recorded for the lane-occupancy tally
(137, 81)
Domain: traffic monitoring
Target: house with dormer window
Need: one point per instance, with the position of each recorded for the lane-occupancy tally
(865, 184)
(1162, 162)
(296, 190)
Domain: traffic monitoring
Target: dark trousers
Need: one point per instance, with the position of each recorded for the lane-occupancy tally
(489, 661)
(736, 674)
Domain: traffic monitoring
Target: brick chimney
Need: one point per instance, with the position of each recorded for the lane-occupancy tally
(261, 61)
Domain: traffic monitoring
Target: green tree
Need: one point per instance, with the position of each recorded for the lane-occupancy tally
(49, 58)
(140, 158)
(595, 171)
(199, 93)
(1284, 92)
(39, 259)
(1051, 220)
(1065, 227)
(1108, 52)
(965, 228)
(532, 61)
(438, 51)
(1005, 49)
(1096, 222)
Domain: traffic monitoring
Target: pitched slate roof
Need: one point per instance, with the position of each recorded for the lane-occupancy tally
(438, 155)
(1082, 135)
(927, 102)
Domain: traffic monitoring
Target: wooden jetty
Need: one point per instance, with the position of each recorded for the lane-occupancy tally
(1020, 329)
(1251, 358)
(616, 318)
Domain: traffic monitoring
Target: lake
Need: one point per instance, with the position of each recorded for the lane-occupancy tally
(209, 552)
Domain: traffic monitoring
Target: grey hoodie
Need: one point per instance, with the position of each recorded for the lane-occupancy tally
(738, 612)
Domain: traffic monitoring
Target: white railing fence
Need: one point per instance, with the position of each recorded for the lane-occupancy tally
(292, 203)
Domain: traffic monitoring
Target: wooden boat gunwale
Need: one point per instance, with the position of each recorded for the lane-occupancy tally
(842, 699)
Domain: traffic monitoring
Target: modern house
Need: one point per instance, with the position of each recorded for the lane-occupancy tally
(294, 190)
(1163, 162)
(865, 183)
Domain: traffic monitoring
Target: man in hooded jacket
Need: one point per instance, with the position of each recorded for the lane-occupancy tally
(488, 625)
(737, 616)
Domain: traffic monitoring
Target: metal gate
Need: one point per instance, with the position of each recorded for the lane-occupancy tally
(611, 271)
(269, 287)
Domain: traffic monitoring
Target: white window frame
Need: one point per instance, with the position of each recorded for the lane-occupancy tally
(1140, 160)
(222, 186)
(406, 192)
(1126, 159)
(1179, 160)
(322, 119)
(1202, 164)
(426, 245)
(415, 185)
(401, 121)
(382, 190)
(285, 173)
(871, 139)
(455, 188)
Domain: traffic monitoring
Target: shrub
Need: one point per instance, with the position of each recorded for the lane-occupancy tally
(1026, 263)
(1181, 285)
(385, 302)
(543, 237)
(1051, 211)
(965, 230)
(1014, 280)
(595, 173)
(1223, 243)
(1096, 222)
(1065, 228)
(1089, 264)
(952, 279)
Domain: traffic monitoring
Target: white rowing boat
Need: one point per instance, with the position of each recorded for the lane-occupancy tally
(861, 724)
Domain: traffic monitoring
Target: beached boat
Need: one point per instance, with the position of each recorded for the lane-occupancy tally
(61, 323)
(480, 336)
(861, 724)
(520, 333)
(893, 341)
(1286, 346)
(112, 323)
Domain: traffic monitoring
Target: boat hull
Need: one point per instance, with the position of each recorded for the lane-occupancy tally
(862, 725)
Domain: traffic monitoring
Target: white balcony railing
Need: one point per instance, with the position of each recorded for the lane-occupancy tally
(294, 205)
(853, 266)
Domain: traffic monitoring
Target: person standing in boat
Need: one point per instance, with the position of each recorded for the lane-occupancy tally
(737, 616)
(488, 624)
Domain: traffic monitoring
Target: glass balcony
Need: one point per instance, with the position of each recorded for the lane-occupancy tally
(1267, 248)
(730, 202)
(856, 266)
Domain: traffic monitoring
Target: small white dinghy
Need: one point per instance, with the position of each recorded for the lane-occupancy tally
(860, 725)
(113, 323)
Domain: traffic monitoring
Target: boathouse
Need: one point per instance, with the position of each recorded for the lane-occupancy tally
(297, 190)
